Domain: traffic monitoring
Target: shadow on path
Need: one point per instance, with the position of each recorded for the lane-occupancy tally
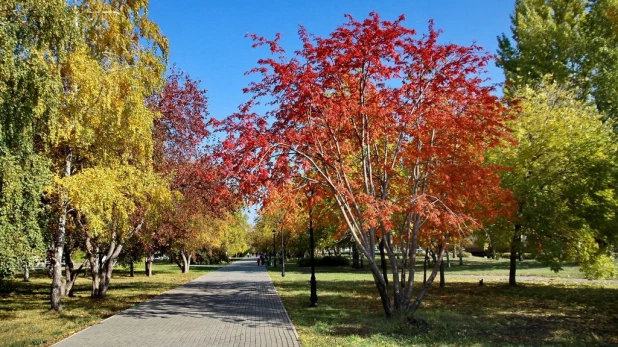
(236, 305)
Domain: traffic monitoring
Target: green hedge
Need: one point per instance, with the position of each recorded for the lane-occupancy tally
(325, 261)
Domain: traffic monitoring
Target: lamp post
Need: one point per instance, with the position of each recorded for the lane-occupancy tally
(274, 250)
(314, 294)
(282, 255)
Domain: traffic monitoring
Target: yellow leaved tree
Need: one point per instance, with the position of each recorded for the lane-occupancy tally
(101, 140)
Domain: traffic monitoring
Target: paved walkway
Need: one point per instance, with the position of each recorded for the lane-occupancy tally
(236, 305)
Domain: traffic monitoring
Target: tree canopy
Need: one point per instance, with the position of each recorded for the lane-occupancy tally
(383, 123)
(575, 41)
(563, 177)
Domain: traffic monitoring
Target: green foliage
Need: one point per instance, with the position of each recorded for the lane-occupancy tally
(30, 33)
(235, 233)
(576, 41)
(596, 262)
(21, 211)
(325, 261)
(563, 176)
(602, 48)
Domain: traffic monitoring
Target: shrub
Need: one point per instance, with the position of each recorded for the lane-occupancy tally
(601, 266)
(325, 261)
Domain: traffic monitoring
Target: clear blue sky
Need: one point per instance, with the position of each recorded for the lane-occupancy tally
(207, 37)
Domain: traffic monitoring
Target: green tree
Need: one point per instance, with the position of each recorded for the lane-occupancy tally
(601, 29)
(576, 41)
(563, 179)
(21, 236)
(33, 34)
(235, 229)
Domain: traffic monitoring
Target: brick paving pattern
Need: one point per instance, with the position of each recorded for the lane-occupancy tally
(236, 305)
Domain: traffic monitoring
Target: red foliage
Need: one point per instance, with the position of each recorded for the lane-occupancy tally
(386, 124)
(374, 91)
(182, 152)
(181, 136)
(181, 130)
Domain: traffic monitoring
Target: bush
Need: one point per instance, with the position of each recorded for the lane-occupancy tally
(325, 261)
(600, 266)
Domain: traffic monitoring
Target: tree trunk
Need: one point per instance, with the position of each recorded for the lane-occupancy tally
(57, 278)
(68, 269)
(381, 286)
(442, 281)
(355, 257)
(105, 276)
(186, 262)
(183, 261)
(398, 297)
(56, 260)
(515, 246)
(404, 265)
(417, 303)
(26, 271)
(69, 273)
(92, 255)
(148, 265)
(460, 257)
(425, 266)
(383, 261)
(107, 267)
(386, 302)
(131, 267)
(492, 249)
(70, 282)
(94, 276)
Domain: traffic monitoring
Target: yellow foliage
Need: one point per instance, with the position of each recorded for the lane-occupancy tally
(109, 197)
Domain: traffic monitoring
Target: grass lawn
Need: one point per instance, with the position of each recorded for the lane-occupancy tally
(26, 321)
(549, 312)
(500, 267)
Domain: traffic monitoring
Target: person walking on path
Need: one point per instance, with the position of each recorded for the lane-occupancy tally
(236, 305)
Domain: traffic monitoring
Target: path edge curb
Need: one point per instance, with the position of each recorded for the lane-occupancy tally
(284, 309)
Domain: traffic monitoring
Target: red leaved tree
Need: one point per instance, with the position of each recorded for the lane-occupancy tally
(183, 126)
(183, 153)
(390, 126)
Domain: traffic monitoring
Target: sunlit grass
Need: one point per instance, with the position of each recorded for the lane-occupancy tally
(500, 267)
(26, 321)
(544, 312)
